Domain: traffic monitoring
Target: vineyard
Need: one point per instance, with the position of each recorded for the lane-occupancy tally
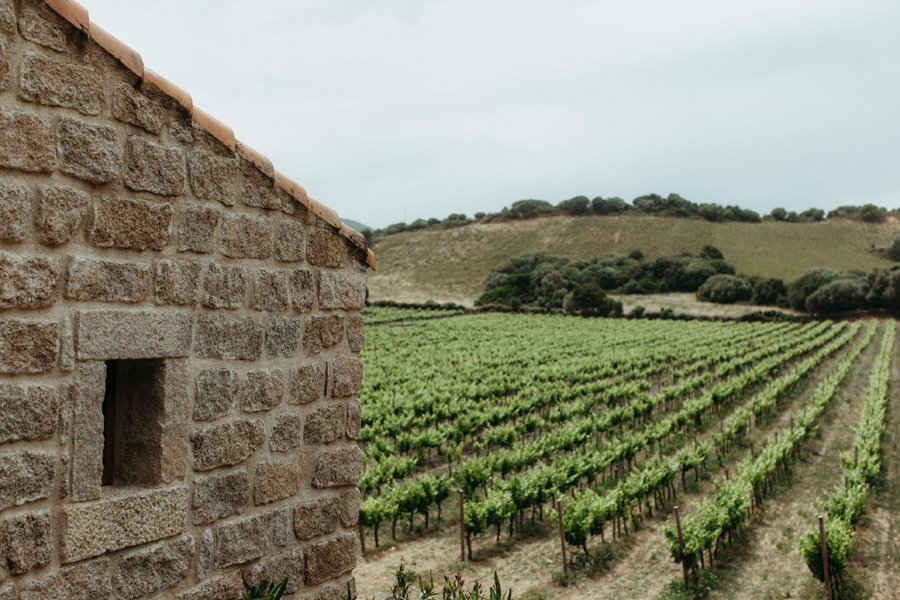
(533, 429)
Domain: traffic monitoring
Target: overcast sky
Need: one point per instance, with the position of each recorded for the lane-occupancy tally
(436, 106)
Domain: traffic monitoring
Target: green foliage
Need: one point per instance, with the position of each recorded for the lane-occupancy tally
(702, 582)
(550, 282)
(883, 288)
(768, 291)
(266, 590)
(845, 506)
(650, 204)
(868, 213)
(726, 512)
(894, 251)
(408, 586)
(576, 206)
(725, 289)
(589, 299)
(711, 253)
(804, 286)
(839, 542)
(609, 206)
(837, 296)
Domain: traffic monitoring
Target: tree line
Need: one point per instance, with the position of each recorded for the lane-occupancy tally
(672, 205)
(545, 281)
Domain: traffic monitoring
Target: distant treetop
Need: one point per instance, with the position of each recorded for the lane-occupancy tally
(672, 205)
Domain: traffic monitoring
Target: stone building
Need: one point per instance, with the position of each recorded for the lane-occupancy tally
(179, 339)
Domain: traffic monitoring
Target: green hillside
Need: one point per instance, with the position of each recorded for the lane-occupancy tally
(451, 265)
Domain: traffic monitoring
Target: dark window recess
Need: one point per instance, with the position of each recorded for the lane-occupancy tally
(132, 412)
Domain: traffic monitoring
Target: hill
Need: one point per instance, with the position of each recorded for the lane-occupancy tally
(355, 224)
(451, 265)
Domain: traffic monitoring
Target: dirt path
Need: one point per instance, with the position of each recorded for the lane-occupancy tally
(523, 563)
(767, 564)
(876, 560)
(642, 568)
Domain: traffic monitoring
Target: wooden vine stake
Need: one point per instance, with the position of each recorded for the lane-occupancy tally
(681, 548)
(462, 527)
(824, 545)
(362, 538)
(562, 537)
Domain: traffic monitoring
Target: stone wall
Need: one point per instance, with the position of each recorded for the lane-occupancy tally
(129, 233)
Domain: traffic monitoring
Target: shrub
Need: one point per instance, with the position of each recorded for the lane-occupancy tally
(711, 252)
(884, 288)
(812, 215)
(725, 289)
(712, 212)
(893, 252)
(531, 209)
(589, 299)
(768, 291)
(778, 214)
(872, 214)
(807, 284)
(577, 206)
(609, 206)
(837, 296)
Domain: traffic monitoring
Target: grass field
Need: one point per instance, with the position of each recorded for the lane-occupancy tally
(451, 265)
(622, 420)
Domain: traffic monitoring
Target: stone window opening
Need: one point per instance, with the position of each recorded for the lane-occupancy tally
(133, 404)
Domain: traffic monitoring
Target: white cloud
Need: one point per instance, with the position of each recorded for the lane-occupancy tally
(462, 105)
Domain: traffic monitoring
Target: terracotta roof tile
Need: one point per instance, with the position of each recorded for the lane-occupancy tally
(256, 159)
(125, 55)
(326, 214)
(354, 236)
(292, 187)
(216, 128)
(164, 86)
(72, 12)
(78, 16)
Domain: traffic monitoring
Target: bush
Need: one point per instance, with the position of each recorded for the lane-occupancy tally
(893, 252)
(768, 291)
(725, 289)
(711, 252)
(837, 296)
(589, 299)
(576, 206)
(884, 288)
(807, 284)
(548, 282)
(609, 206)
(531, 209)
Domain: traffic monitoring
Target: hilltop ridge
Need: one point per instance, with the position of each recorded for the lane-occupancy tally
(451, 265)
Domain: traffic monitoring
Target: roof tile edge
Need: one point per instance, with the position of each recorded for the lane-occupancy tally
(167, 88)
(216, 128)
(256, 158)
(129, 58)
(79, 17)
(72, 12)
